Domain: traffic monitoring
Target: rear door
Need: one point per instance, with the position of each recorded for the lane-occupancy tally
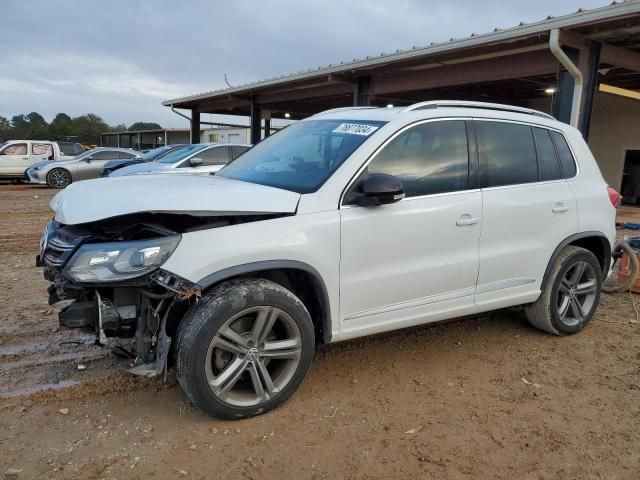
(415, 260)
(14, 159)
(528, 209)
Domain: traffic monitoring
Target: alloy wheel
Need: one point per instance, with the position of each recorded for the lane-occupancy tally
(253, 356)
(59, 178)
(577, 293)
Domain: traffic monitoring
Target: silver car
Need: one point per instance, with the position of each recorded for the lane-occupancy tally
(59, 174)
(200, 158)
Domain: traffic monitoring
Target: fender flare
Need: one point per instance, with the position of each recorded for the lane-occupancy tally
(606, 246)
(253, 267)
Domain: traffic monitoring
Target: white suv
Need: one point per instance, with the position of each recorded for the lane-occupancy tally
(349, 223)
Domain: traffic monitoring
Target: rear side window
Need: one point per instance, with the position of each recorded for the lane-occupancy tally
(42, 149)
(567, 162)
(238, 150)
(126, 155)
(67, 149)
(509, 154)
(104, 155)
(429, 158)
(548, 165)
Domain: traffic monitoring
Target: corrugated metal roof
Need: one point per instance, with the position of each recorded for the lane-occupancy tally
(580, 17)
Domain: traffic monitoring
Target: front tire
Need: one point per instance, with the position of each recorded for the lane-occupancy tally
(244, 349)
(571, 295)
(59, 178)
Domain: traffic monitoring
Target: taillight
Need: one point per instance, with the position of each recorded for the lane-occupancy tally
(614, 197)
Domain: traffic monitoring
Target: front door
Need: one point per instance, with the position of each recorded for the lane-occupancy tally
(92, 166)
(14, 159)
(416, 260)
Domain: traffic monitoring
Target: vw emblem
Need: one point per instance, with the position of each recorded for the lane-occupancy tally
(253, 354)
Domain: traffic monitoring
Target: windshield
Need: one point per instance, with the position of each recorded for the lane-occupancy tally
(301, 157)
(179, 153)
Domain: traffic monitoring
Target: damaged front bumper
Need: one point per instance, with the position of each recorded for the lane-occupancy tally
(144, 308)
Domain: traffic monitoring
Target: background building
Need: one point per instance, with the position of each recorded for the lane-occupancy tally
(584, 68)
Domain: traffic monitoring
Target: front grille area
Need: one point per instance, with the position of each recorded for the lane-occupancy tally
(60, 247)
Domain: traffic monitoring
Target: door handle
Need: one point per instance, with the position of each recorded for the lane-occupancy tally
(25, 158)
(560, 208)
(467, 219)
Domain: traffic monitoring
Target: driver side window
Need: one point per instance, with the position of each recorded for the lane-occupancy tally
(429, 158)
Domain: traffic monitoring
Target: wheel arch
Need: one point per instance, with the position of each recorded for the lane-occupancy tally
(300, 278)
(594, 241)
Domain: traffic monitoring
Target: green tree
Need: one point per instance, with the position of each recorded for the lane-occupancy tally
(61, 127)
(38, 127)
(145, 126)
(89, 127)
(20, 125)
(6, 130)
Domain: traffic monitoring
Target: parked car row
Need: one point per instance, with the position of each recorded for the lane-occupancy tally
(45, 163)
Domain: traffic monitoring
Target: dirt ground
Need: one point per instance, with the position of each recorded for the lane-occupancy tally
(489, 397)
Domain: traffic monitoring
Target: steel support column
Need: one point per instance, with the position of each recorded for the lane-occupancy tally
(256, 122)
(195, 126)
(590, 73)
(361, 92)
(267, 127)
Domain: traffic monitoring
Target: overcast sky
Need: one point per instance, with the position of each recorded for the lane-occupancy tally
(121, 58)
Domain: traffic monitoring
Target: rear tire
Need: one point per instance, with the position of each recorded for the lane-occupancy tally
(244, 349)
(59, 178)
(571, 295)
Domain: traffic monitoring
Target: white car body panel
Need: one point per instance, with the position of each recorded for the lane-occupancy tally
(167, 193)
(312, 239)
(520, 231)
(404, 262)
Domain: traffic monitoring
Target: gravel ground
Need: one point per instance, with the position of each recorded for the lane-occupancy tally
(488, 397)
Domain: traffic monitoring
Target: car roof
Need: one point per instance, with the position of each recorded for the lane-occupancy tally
(440, 108)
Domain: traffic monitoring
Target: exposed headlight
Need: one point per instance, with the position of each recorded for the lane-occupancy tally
(113, 262)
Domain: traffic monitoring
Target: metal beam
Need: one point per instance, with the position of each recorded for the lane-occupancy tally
(195, 126)
(502, 68)
(620, 57)
(328, 90)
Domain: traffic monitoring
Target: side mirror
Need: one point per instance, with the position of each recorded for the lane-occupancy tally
(88, 159)
(381, 189)
(195, 162)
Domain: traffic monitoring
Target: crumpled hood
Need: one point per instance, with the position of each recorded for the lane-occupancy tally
(142, 168)
(102, 198)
